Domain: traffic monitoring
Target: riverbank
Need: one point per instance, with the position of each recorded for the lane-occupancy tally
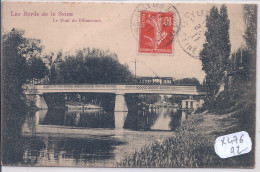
(192, 145)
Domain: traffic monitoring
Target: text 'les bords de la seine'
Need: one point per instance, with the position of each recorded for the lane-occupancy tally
(35, 13)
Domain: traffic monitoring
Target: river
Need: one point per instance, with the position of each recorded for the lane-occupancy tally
(92, 138)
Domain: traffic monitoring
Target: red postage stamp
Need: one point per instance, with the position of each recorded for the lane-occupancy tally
(156, 32)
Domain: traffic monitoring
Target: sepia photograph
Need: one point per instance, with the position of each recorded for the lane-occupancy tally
(128, 85)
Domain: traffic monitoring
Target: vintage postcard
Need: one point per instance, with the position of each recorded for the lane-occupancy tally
(95, 84)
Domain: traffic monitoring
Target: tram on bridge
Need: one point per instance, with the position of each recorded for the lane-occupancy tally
(155, 80)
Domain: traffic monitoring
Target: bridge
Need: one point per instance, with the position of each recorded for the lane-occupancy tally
(118, 90)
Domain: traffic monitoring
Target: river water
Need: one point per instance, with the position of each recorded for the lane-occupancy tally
(92, 138)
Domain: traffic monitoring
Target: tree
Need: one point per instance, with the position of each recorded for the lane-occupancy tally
(250, 36)
(14, 66)
(187, 81)
(14, 75)
(240, 66)
(216, 51)
(30, 48)
(21, 61)
(95, 67)
(36, 68)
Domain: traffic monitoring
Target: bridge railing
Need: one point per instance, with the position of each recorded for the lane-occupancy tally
(110, 88)
(103, 86)
(99, 86)
(159, 87)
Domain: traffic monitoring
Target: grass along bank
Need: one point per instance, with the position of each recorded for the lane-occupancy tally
(192, 145)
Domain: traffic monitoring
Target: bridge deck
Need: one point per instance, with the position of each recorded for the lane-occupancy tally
(118, 89)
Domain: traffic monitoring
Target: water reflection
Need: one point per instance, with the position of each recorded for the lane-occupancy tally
(152, 119)
(44, 150)
(93, 137)
(87, 118)
(166, 120)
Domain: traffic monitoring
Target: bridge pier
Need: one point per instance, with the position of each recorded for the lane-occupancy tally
(40, 102)
(120, 118)
(120, 104)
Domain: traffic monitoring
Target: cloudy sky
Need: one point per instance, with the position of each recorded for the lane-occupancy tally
(114, 32)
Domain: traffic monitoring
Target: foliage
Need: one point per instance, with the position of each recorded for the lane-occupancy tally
(36, 68)
(21, 58)
(250, 17)
(92, 66)
(242, 69)
(14, 66)
(20, 61)
(216, 50)
(240, 65)
(187, 81)
(52, 75)
(14, 75)
(178, 98)
(190, 146)
(250, 36)
(149, 98)
(244, 90)
(30, 48)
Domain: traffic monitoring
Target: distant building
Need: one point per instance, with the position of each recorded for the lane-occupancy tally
(191, 104)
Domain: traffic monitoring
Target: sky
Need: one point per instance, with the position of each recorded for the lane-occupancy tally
(116, 32)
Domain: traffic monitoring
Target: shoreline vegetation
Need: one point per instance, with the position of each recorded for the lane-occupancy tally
(192, 144)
